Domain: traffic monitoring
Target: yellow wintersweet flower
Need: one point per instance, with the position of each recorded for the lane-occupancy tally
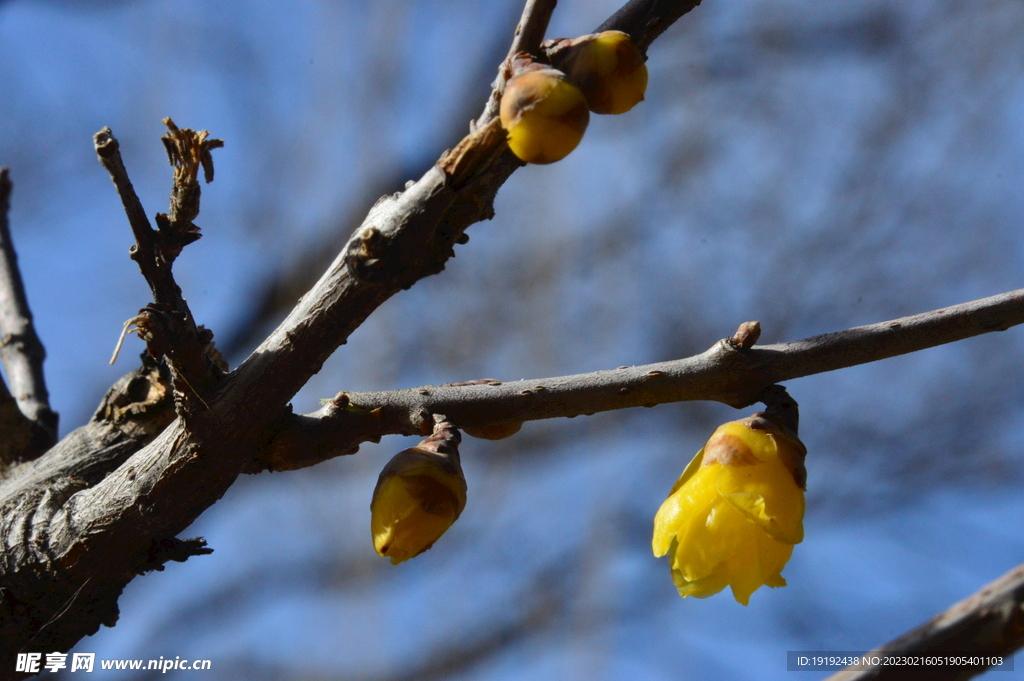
(735, 513)
(418, 496)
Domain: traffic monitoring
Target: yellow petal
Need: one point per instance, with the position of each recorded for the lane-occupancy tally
(701, 588)
(768, 496)
(709, 539)
(688, 472)
(670, 514)
(666, 524)
(760, 442)
(759, 560)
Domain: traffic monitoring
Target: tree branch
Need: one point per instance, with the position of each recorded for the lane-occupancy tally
(19, 437)
(733, 371)
(644, 20)
(143, 252)
(80, 550)
(406, 237)
(532, 27)
(168, 326)
(988, 623)
(528, 37)
(22, 353)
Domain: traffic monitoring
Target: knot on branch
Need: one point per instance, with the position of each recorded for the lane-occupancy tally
(188, 349)
(365, 258)
(140, 403)
(26, 344)
(166, 550)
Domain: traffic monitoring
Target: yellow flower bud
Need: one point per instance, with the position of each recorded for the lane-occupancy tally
(418, 496)
(607, 67)
(735, 513)
(545, 115)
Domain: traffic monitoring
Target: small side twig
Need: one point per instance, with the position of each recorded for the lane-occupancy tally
(528, 37)
(645, 20)
(987, 624)
(143, 252)
(20, 348)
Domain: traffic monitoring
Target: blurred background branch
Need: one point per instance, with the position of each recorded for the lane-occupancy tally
(22, 353)
(989, 623)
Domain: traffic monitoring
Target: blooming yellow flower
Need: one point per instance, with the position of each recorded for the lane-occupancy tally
(735, 513)
(418, 496)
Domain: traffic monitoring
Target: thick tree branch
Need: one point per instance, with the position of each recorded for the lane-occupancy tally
(988, 623)
(23, 354)
(133, 412)
(733, 371)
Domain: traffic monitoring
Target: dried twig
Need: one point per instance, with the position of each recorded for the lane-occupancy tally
(108, 150)
(989, 623)
(155, 250)
(20, 348)
(187, 151)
